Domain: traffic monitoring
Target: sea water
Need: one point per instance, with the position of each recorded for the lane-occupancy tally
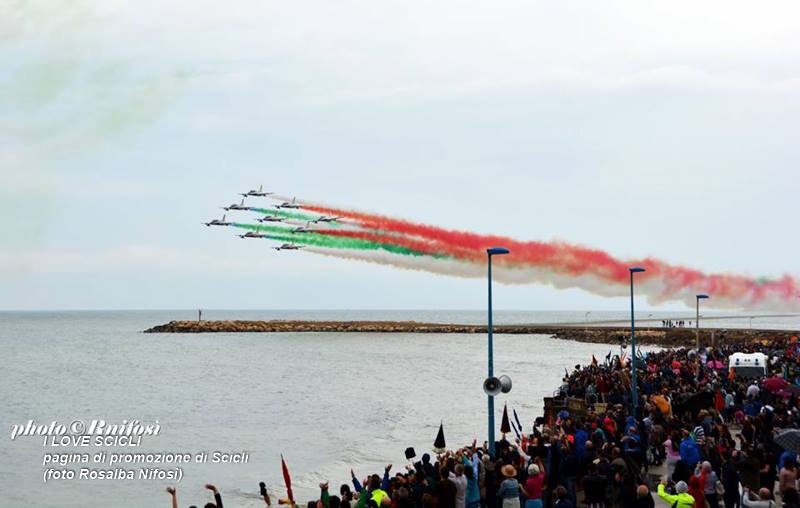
(328, 402)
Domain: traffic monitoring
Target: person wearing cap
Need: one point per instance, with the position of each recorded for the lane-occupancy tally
(681, 498)
(509, 488)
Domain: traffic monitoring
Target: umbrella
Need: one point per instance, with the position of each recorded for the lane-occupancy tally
(789, 439)
(439, 446)
(775, 384)
(715, 364)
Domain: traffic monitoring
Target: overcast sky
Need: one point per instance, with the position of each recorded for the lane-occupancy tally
(668, 130)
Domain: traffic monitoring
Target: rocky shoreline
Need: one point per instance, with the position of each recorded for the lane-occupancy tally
(666, 337)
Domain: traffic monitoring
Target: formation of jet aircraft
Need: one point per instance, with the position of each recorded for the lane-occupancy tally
(293, 204)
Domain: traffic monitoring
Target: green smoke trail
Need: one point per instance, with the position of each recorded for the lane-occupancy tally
(261, 228)
(286, 215)
(319, 240)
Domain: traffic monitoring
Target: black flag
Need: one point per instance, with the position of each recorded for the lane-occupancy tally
(439, 446)
(505, 426)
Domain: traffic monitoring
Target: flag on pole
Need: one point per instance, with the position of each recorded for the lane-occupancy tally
(519, 425)
(439, 445)
(287, 479)
(505, 426)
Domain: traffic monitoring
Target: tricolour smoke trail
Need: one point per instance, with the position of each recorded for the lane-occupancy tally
(285, 235)
(428, 247)
(568, 265)
(405, 244)
(304, 217)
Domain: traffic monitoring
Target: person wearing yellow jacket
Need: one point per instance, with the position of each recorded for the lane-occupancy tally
(680, 500)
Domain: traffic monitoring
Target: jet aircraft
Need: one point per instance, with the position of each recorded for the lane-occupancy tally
(257, 193)
(235, 206)
(218, 222)
(289, 204)
(288, 246)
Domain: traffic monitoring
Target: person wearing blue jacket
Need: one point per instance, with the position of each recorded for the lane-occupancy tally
(690, 453)
(473, 495)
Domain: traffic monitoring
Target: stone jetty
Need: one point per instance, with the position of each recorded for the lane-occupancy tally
(667, 337)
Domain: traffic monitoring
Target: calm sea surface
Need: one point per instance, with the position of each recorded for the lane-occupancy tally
(328, 402)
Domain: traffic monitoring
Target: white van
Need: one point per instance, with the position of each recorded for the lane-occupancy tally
(748, 364)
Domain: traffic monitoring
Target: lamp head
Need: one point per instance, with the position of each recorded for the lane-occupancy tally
(636, 269)
(497, 251)
(702, 296)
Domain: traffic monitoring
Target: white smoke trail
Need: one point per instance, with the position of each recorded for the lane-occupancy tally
(467, 269)
(652, 290)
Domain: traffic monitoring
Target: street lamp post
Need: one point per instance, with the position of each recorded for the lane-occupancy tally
(492, 252)
(698, 297)
(634, 396)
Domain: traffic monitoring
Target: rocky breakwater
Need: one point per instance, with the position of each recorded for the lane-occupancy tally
(315, 326)
(666, 337)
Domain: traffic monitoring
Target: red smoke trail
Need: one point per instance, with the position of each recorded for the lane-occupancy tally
(559, 256)
(567, 259)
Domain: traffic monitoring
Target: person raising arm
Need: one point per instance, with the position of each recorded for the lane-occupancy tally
(682, 499)
(173, 494)
(217, 497)
(264, 493)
